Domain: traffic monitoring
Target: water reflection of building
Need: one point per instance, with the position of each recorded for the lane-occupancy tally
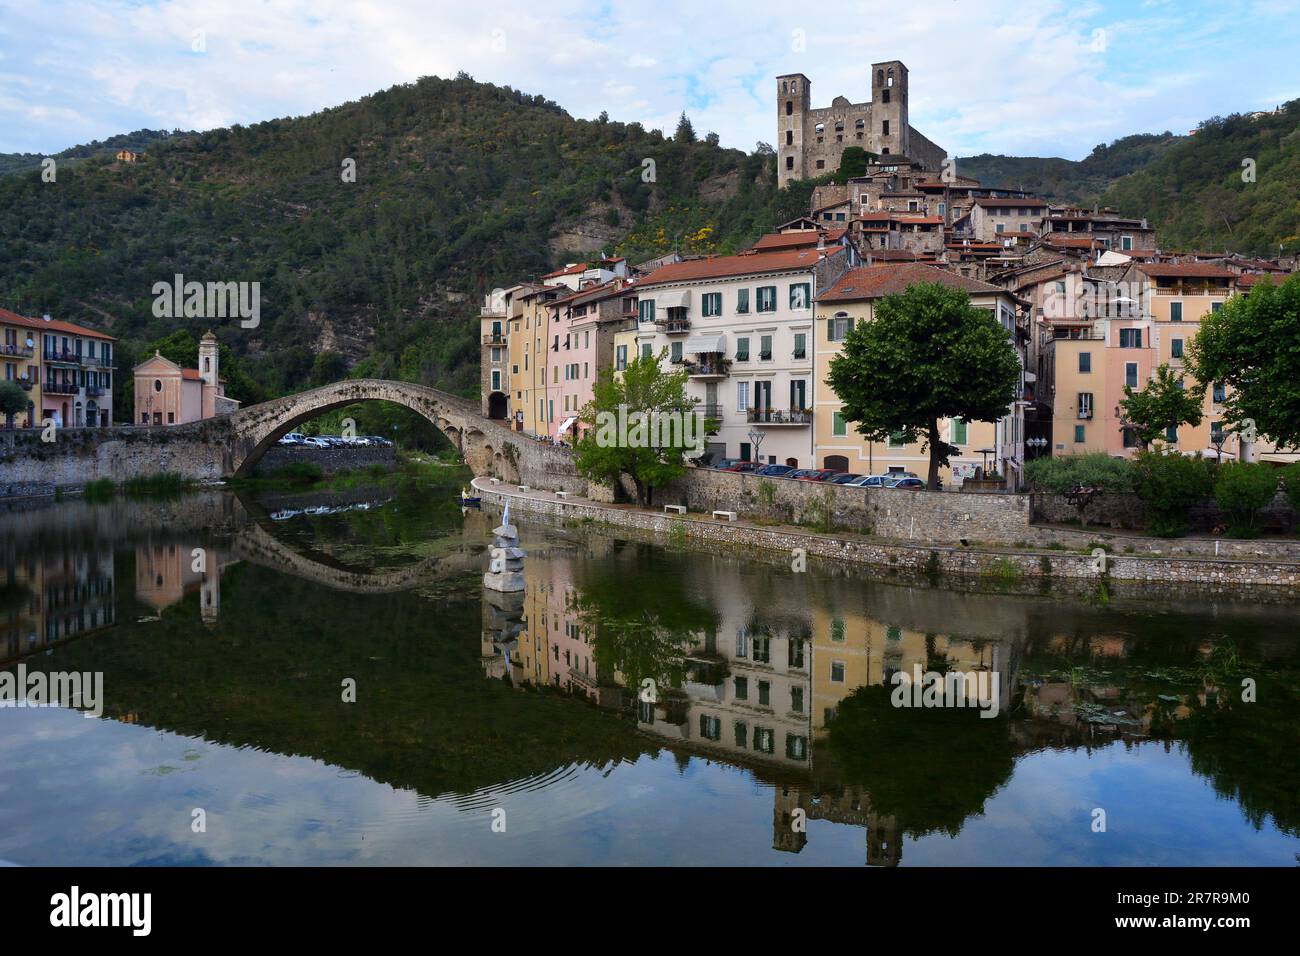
(166, 571)
(56, 597)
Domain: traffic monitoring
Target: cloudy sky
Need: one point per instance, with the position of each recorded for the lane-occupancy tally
(1052, 77)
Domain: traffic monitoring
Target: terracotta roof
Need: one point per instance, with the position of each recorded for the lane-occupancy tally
(894, 255)
(13, 318)
(990, 201)
(567, 271)
(751, 263)
(800, 237)
(1186, 270)
(191, 374)
(871, 282)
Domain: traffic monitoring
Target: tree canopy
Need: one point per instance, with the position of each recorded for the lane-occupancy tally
(1167, 402)
(928, 354)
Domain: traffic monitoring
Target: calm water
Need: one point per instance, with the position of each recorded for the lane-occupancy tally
(223, 693)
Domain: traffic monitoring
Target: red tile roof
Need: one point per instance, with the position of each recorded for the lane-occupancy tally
(746, 263)
(1186, 270)
(567, 271)
(192, 374)
(13, 318)
(871, 282)
(800, 237)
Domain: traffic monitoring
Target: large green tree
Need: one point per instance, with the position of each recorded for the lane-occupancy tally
(1253, 347)
(927, 355)
(13, 401)
(652, 457)
(1167, 402)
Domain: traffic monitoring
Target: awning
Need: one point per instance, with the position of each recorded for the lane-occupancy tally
(1213, 453)
(673, 299)
(1280, 457)
(699, 344)
(567, 424)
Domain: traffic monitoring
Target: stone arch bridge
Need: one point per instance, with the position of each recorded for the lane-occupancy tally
(230, 445)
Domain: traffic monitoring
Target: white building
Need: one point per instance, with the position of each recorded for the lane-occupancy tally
(742, 326)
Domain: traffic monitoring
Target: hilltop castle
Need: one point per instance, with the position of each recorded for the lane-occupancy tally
(810, 142)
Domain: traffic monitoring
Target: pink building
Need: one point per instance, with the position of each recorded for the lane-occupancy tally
(582, 328)
(166, 394)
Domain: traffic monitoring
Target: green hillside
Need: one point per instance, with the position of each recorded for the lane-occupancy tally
(459, 187)
(139, 141)
(1067, 180)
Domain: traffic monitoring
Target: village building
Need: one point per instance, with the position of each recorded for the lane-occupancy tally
(167, 394)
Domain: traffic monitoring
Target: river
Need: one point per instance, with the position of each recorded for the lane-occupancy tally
(321, 678)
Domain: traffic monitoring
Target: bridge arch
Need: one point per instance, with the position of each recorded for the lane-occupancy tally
(258, 427)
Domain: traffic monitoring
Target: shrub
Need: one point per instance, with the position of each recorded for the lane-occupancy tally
(101, 489)
(1094, 470)
(299, 473)
(1169, 484)
(164, 484)
(1242, 491)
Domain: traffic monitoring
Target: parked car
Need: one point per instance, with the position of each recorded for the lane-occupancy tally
(869, 481)
(293, 438)
(748, 466)
(905, 482)
(775, 471)
(728, 464)
(819, 474)
(847, 478)
(316, 442)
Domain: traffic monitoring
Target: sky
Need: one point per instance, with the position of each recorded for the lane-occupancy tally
(1047, 78)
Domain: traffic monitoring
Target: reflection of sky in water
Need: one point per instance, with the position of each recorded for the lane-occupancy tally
(75, 791)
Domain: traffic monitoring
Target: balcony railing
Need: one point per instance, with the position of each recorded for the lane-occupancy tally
(494, 338)
(709, 368)
(779, 416)
(18, 351)
(60, 388)
(673, 326)
(94, 391)
(709, 411)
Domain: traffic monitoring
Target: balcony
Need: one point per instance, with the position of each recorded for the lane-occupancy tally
(17, 351)
(709, 411)
(62, 357)
(494, 338)
(60, 388)
(709, 368)
(673, 326)
(779, 416)
(93, 391)
(24, 383)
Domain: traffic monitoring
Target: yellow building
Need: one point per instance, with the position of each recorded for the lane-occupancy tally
(20, 363)
(992, 445)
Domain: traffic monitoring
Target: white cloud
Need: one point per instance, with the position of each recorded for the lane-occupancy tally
(1024, 80)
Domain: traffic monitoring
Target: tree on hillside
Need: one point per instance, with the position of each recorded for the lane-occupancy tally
(1253, 347)
(650, 458)
(928, 354)
(685, 131)
(13, 401)
(1165, 403)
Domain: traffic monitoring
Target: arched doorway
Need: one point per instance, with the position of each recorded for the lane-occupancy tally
(92, 414)
(792, 462)
(497, 406)
(837, 462)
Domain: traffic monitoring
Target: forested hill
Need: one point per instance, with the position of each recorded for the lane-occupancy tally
(459, 186)
(138, 141)
(1191, 188)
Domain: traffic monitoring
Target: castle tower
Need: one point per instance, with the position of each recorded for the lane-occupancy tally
(208, 358)
(793, 96)
(890, 132)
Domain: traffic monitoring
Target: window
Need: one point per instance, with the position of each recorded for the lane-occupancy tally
(800, 345)
(1131, 374)
(789, 162)
(1085, 405)
(710, 727)
(620, 358)
(998, 228)
(1126, 242)
(764, 740)
(800, 295)
(742, 348)
(711, 303)
(837, 672)
(1079, 433)
(1216, 432)
(742, 301)
(839, 326)
(789, 137)
(742, 734)
(1216, 307)
(1176, 348)
(893, 633)
(1085, 362)
(958, 432)
(496, 356)
(789, 107)
(765, 348)
(796, 747)
(1171, 435)
(764, 693)
(896, 440)
(884, 128)
(157, 385)
(677, 353)
(496, 380)
(1175, 312)
(742, 396)
(767, 298)
(1130, 338)
(839, 427)
(646, 310)
(837, 630)
(742, 688)
(1219, 393)
(647, 350)
(762, 650)
(794, 652)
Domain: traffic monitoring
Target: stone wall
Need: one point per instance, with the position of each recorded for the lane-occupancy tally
(1128, 511)
(330, 461)
(998, 566)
